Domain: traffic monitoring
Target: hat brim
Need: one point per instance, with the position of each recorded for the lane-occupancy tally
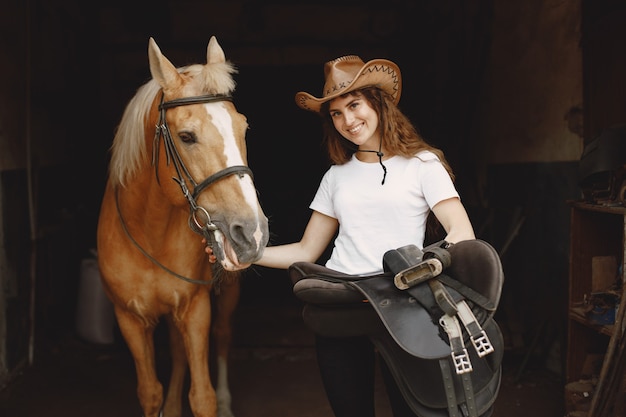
(381, 73)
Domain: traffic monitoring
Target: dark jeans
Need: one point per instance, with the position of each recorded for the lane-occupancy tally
(347, 368)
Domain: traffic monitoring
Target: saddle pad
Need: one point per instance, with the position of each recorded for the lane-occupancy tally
(419, 379)
(422, 384)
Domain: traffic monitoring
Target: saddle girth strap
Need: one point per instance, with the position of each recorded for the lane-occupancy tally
(448, 387)
(468, 409)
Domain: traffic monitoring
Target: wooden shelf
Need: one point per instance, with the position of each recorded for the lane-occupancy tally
(578, 314)
(595, 230)
(612, 209)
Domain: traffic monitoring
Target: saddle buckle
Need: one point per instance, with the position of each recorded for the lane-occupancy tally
(460, 357)
(478, 336)
(462, 363)
(482, 344)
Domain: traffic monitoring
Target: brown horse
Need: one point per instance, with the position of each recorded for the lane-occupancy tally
(180, 126)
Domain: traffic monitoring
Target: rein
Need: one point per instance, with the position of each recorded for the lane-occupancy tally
(146, 254)
(199, 218)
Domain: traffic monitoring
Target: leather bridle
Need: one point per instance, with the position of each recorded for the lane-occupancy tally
(204, 225)
(199, 218)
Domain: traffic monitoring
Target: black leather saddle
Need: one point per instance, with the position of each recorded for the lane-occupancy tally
(430, 315)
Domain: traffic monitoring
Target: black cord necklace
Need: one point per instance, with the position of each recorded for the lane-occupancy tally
(380, 160)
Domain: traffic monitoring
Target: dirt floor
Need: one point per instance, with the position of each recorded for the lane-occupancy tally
(273, 374)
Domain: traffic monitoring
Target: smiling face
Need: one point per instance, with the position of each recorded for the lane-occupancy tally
(356, 120)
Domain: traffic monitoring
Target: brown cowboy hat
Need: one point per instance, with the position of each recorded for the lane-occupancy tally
(349, 73)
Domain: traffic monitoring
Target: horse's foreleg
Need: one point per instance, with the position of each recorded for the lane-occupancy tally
(195, 331)
(138, 335)
(225, 303)
(173, 399)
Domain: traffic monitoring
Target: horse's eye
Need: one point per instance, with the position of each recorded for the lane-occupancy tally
(187, 137)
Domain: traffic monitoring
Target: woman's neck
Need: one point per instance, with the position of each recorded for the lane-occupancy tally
(369, 156)
(366, 154)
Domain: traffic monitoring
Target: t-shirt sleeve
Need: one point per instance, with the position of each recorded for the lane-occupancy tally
(436, 182)
(323, 202)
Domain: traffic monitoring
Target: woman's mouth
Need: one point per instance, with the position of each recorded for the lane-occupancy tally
(355, 130)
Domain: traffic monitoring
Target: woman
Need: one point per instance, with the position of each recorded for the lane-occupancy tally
(384, 182)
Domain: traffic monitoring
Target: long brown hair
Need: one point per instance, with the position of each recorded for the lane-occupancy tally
(398, 135)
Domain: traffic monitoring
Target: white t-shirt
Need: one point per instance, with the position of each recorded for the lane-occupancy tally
(374, 218)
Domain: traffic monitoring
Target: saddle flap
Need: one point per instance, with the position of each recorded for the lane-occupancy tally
(411, 325)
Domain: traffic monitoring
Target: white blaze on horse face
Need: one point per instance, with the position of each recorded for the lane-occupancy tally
(224, 124)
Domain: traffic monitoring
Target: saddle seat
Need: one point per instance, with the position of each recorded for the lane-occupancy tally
(406, 325)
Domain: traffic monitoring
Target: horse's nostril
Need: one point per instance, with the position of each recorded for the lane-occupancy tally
(242, 235)
(247, 238)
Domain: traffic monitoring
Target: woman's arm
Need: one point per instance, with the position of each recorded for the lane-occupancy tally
(454, 219)
(317, 235)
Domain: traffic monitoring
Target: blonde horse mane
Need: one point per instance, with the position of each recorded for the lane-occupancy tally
(129, 149)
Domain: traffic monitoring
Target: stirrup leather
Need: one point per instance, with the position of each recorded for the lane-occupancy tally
(478, 336)
(460, 357)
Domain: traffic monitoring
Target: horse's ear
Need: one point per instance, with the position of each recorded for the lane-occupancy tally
(162, 70)
(214, 52)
